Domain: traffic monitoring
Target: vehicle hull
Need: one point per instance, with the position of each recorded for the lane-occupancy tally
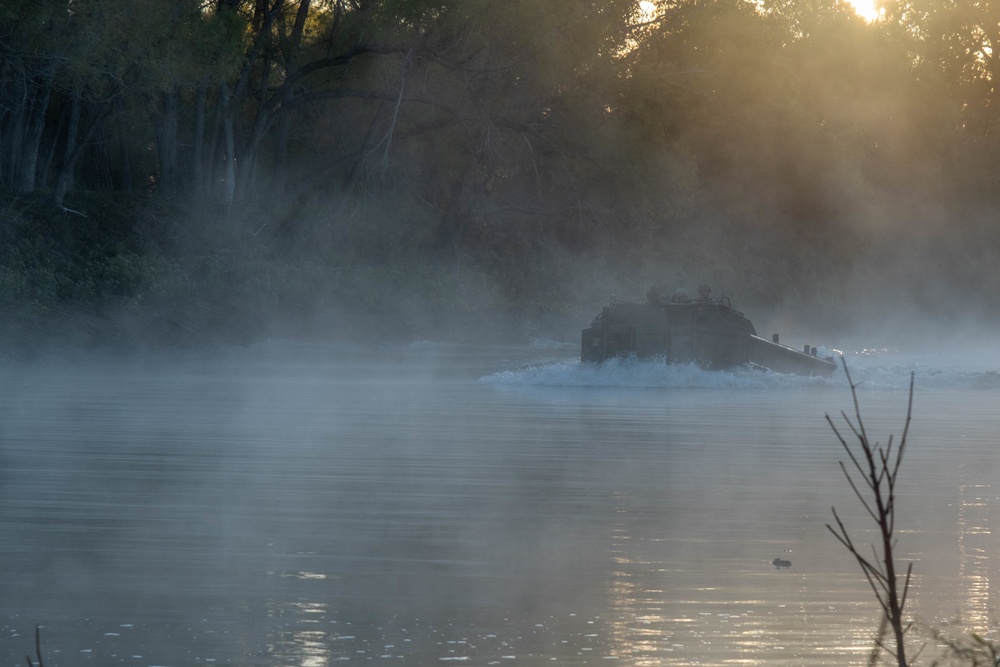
(709, 333)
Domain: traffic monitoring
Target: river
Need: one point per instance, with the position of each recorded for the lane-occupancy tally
(314, 505)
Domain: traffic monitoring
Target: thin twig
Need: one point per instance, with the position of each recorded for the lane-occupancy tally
(38, 648)
(879, 467)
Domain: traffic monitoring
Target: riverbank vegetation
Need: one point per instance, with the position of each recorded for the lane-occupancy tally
(186, 170)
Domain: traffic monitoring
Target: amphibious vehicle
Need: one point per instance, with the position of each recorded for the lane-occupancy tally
(705, 331)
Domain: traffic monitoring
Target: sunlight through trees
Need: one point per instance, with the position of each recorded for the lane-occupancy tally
(609, 129)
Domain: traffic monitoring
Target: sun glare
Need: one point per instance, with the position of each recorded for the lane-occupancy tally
(866, 9)
(647, 10)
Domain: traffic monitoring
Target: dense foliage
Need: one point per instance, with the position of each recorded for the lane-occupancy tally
(285, 160)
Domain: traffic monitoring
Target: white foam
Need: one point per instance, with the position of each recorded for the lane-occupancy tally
(874, 369)
(642, 374)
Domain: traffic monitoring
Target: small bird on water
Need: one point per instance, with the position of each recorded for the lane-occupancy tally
(780, 563)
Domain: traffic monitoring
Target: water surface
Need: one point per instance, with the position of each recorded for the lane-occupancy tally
(294, 504)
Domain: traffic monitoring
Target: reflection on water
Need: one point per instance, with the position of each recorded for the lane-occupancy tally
(302, 505)
(300, 645)
(974, 561)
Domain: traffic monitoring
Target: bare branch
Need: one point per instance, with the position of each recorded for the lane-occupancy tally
(880, 470)
(38, 649)
(861, 498)
(843, 442)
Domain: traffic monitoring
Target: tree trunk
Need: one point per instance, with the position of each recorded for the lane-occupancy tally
(15, 141)
(67, 171)
(248, 158)
(285, 120)
(197, 157)
(213, 156)
(281, 159)
(167, 140)
(229, 158)
(50, 151)
(74, 157)
(263, 22)
(33, 139)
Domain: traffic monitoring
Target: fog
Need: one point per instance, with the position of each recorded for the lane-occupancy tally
(830, 175)
(291, 311)
(316, 503)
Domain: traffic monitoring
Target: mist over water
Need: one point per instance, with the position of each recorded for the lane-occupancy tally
(313, 504)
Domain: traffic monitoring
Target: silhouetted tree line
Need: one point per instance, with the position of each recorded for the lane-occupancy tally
(777, 134)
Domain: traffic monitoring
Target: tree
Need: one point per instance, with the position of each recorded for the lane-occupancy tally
(877, 470)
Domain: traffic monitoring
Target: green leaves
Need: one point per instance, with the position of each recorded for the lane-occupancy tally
(612, 128)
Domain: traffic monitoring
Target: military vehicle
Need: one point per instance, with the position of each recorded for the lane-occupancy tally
(705, 331)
